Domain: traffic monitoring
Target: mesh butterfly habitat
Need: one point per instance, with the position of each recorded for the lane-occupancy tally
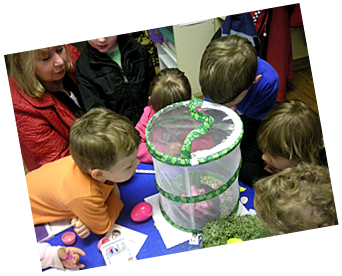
(195, 147)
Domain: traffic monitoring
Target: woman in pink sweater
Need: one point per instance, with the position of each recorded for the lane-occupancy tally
(168, 87)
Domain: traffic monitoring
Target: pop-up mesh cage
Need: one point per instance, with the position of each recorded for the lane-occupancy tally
(195, 146)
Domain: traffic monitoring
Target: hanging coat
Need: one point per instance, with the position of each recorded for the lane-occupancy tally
(241, 25)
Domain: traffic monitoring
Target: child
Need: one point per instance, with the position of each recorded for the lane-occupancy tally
(115, 72)
(168, 87)
(296, 199)
(103, 147)
(291, 133)
(232, 74)
(57, 256)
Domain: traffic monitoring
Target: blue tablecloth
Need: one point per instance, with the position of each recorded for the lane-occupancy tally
(132, 192)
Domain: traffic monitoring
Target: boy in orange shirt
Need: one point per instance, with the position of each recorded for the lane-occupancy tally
(103, 147)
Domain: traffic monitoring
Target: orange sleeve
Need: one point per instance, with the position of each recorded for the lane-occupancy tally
(96, 213)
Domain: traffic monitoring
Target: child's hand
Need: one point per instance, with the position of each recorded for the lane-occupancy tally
(270, 169)
(73, 252)
(80, 228)
(173, 149)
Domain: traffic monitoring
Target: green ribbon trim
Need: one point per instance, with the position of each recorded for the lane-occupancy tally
(202, 129)
(177, 161)
(206, 196)
(196, 231)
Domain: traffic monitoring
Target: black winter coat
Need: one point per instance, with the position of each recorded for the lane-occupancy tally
(103, 83)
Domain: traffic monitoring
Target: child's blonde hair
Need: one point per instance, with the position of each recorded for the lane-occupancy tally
(291, 130)
(22, 67)
(168, 87)
(228, 67)
(296, 199)
(100, 137)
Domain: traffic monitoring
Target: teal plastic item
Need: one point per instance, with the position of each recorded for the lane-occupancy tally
(168, 33)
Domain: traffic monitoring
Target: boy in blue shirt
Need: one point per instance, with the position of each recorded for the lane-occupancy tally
(232, 74)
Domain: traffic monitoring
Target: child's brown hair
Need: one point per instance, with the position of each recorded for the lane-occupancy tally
(228, 67)
(296, 199)
(168, 87)
(291, 130)
(100, 137)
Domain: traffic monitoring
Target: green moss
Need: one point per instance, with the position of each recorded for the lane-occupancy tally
(220, 230)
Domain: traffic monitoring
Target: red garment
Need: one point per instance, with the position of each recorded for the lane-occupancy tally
(276, 45)
(43, 124)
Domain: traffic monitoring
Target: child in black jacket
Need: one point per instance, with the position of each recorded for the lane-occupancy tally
(115, 72)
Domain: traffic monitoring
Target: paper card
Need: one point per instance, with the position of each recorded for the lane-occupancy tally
(116, 251)
(134, 239)
(59, 226)
(171, 235)
(46, 231)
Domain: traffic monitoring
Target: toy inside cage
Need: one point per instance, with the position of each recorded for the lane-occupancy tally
(195, 146)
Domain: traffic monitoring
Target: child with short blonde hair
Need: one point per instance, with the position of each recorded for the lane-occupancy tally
(296, 199)
(291, 133)
(292, 130)
(101, 139)
(103, 147)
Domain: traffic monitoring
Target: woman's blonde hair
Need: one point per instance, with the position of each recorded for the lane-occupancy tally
(168, 87)
(291, 130)
(296, 199)
(22, 67)
(100, 137)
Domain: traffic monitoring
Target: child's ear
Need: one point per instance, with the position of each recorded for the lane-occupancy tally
(97, 174)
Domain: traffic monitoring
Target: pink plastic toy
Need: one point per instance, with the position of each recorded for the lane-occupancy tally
(142, 211)
(201, 209)
(69, 238)
(101, 242)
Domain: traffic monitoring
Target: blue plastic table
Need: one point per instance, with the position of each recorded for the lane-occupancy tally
(132, 192)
